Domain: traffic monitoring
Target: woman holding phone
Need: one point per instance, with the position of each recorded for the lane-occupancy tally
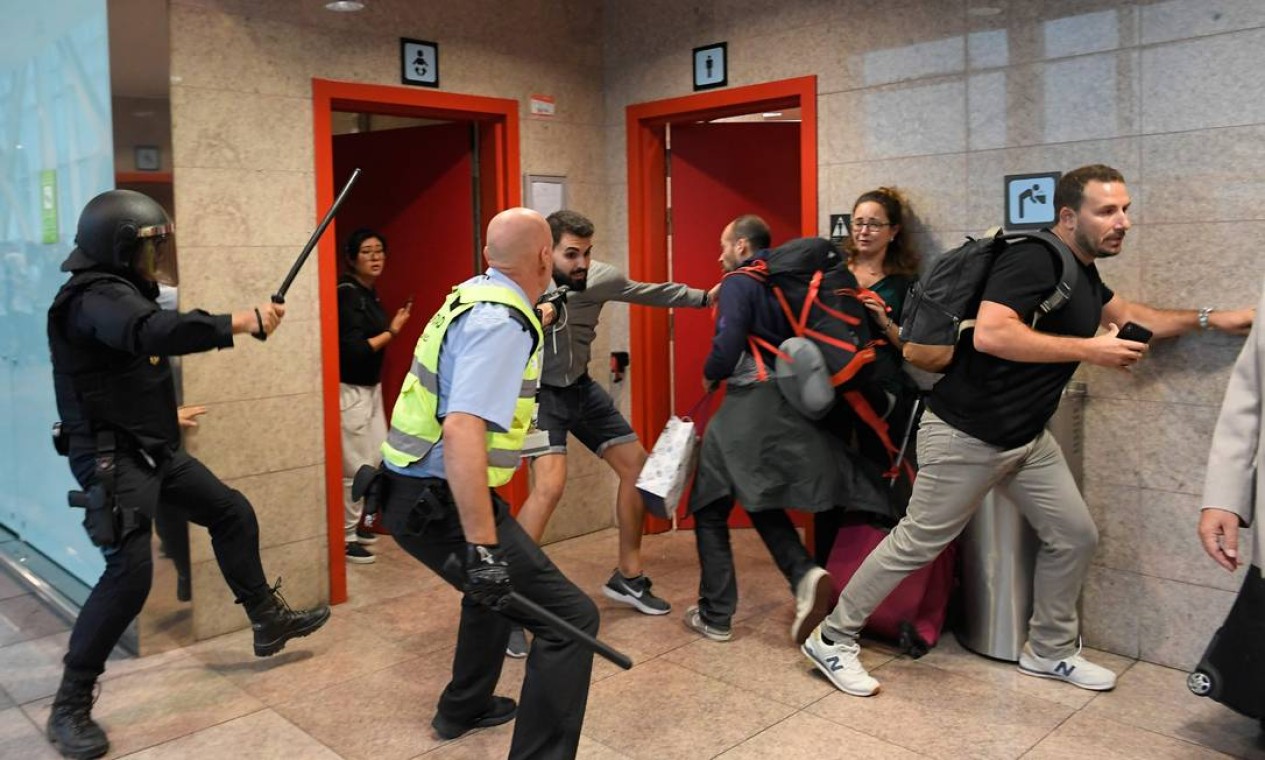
(363, 332)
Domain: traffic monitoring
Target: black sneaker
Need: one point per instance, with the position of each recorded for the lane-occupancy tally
(274, 623)
(366, 537)
(636, 593)
(358, 554)
(503, 710)
(517, 647)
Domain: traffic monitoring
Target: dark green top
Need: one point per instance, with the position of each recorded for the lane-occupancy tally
(892, 289)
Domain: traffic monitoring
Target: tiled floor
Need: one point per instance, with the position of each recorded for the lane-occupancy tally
(365, 686)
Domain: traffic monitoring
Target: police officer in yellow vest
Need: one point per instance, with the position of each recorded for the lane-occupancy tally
(456, 432)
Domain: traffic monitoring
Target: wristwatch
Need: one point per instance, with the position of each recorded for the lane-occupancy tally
(1204, 313)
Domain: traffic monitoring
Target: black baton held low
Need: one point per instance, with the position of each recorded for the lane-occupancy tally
(280, 296)
(591, 643)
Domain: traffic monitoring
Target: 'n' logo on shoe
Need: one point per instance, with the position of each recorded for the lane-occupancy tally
(833, 663)
(1064, 670)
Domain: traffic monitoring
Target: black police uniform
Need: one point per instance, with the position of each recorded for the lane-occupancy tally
(116, 400)
(114, 390)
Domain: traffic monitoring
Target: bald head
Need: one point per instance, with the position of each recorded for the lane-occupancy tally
(519, 244)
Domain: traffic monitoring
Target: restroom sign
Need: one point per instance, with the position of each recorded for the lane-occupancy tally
(711, 66)
(1030, 200)
(419, 62)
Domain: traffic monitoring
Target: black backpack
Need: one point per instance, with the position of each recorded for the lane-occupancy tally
(818, 295)
(832, 356)
(943, 303)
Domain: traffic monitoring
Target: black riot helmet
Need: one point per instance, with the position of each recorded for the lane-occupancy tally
(122, 230)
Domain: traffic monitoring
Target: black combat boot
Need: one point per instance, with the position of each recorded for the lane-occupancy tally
(275, 623)
(71, 728)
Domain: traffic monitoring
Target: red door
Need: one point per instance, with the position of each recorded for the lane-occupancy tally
(417, 189)
(719, 172)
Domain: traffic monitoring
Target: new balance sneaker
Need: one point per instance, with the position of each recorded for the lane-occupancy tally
(358, 554)
(517, 646)
(366, 537)
(841, 663)
(814, 598)
(694, 621)
(1076, 670)
(636, 593)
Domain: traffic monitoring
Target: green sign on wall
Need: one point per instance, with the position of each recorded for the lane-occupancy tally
(48, 204)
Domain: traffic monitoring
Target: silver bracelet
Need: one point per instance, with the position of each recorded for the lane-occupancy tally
(1204, 313)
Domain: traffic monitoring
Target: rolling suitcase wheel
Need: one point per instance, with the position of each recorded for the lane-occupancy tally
(1200, 683)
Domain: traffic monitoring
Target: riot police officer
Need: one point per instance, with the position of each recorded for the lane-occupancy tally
(116, 401)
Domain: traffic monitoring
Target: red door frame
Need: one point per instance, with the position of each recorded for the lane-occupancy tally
(499, 189)
(647, 220)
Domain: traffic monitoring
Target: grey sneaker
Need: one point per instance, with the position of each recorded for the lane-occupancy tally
(841, 663)
(517, 646)
(358, 554)
(814, 597)
(636, 593)
(1076, 670)
(694, 621)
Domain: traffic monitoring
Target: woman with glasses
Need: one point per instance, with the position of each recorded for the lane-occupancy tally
(882, 262)
(363, 333)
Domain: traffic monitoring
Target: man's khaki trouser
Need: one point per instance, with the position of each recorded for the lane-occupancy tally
(956, 471)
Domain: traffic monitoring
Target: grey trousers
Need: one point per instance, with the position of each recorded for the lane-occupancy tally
(955, 472)
(364, 425)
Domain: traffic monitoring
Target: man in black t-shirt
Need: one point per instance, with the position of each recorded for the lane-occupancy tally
(985, 428)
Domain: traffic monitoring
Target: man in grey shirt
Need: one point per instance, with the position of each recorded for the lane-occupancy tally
(571, 402)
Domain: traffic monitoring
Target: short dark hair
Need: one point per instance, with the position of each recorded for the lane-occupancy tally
(566, 221)
(900, 258)
(1070, 190)
(754, 229)
(351, 247)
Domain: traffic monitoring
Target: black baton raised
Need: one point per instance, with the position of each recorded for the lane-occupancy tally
(280, 295)
(591, 643)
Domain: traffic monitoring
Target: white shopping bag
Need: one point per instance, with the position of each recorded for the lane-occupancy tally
(669, 467)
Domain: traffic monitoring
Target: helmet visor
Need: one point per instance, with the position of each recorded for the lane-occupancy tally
(156, 260)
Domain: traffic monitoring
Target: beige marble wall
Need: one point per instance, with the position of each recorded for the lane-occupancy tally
(243, 163)
(944, 98)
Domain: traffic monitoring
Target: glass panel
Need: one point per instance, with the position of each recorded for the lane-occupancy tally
(56, 153)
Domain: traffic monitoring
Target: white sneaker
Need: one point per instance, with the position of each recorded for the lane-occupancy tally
(1076, 670)
(814, 598)
(840, 663)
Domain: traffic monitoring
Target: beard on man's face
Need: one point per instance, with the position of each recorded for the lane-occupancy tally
(1085, 244)
(576, 284)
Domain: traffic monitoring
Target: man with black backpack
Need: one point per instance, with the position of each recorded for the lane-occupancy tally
(758, 450)
(985, 428)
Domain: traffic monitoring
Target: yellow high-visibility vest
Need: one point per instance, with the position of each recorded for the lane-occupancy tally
(415, 429)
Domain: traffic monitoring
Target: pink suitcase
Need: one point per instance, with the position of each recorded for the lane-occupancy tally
(914, 613)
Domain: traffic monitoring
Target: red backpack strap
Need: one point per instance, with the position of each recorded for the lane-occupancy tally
(876, 423)
(849, 370)
(755, 343)
(756, 270)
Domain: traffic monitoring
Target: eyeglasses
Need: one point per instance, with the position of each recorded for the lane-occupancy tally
(869, 224)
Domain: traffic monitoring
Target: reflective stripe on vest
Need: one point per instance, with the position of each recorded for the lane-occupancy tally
(414, 427)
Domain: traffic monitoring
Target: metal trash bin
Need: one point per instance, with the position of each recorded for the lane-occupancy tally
(999, 551)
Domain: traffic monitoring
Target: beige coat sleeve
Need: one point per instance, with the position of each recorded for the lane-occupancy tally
(1234, 460)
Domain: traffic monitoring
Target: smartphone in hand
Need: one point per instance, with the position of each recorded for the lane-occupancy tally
(1134, 332)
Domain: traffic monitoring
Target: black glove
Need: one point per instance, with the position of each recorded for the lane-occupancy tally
(487, 575)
